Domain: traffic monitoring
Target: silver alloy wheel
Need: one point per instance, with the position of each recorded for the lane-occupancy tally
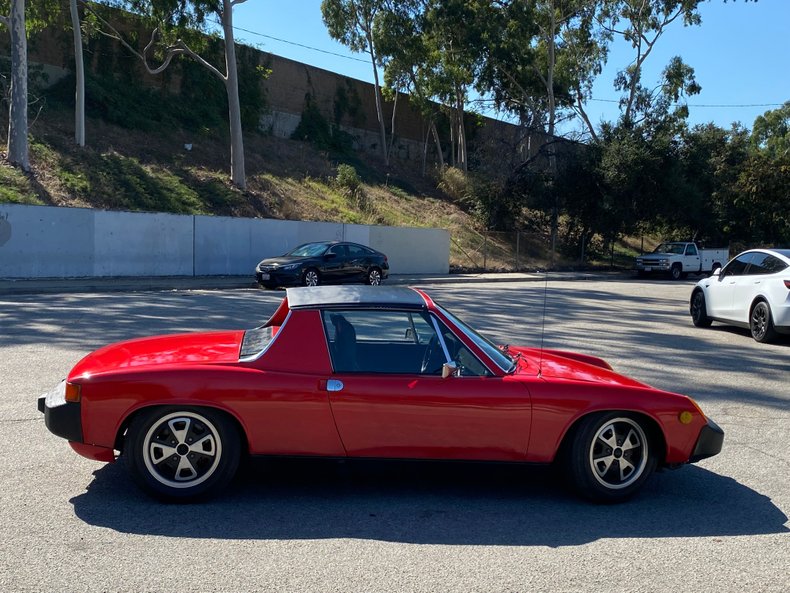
(182, 450)
(618, 453)
(311, 278)
(374, 277)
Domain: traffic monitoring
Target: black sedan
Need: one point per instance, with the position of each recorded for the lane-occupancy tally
(323, 262)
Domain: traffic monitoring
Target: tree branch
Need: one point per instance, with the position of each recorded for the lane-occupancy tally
(5, 21)
(178, 48)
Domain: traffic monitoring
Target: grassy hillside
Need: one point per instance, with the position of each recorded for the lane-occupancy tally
(127, 169)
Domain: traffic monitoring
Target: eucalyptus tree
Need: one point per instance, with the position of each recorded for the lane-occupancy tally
(174, 36)
(351, 22)
(405, 57)
(21, 19)
(543, 57)
(13, 19)
(453, 37)
(79, 74)
(642, 23)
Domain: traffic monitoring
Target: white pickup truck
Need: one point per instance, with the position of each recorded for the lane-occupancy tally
(680, 258)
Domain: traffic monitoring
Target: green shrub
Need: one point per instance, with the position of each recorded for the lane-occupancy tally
(455, 183)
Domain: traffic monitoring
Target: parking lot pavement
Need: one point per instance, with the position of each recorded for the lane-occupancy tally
(67, 523)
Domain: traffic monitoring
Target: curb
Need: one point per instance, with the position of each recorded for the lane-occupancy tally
(165, 283)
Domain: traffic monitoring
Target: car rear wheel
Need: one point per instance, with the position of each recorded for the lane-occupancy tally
(182, 453)
(761, 323)
(311, 277)
(373, 277)
(699, 312)
(610, 457)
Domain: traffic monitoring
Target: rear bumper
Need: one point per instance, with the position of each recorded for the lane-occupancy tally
(709, 442)
(62, 418)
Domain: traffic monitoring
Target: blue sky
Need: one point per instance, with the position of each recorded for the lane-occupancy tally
(740, 54)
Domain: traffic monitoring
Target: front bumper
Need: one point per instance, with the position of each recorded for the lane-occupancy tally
(276, 278)
(62, 418)
(652, 266)
(709, 442)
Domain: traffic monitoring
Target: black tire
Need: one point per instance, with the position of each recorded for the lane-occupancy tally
(373, 277)
(761, 323)
(611, 456)
(698, 310)
(676, 272)
(311, 277)
(182, 454)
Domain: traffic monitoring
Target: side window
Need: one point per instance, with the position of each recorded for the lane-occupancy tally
(356, 251)
(338, 250)
(762, 263)
(377, 341)
(691, 250)
(737, 267)
(468, 364)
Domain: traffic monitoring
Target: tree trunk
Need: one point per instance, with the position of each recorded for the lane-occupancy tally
(462, 160)
(392, 124)
(237, 173)
(17, 110)
(438, 142)
(79, 72)
(379, 110)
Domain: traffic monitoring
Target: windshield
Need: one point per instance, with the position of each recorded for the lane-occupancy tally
(676, 248)
(502, 360)
(309, 250)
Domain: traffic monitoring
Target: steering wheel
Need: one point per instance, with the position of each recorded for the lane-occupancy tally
(433, 359)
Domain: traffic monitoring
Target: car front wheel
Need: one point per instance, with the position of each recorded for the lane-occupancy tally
(676, 272)
(610, 457)
(699, 312)
(373, 277)
(182, 453)
(761, 323)
(311, 277)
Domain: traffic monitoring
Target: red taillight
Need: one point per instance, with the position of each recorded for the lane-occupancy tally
(787, 284)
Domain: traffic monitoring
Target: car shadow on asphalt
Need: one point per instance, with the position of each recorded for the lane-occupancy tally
(431, 503)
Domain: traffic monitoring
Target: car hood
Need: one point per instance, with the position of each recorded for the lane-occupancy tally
(283, 260)
(175, 349)
(573, 366)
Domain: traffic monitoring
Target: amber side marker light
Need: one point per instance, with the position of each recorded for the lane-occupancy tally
(72, 392)
(685, 417)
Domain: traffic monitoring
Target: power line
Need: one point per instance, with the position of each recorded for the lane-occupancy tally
(323, 51)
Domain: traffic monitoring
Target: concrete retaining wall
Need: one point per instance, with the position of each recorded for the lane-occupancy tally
(50, 242)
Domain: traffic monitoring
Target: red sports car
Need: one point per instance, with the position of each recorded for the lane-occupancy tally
(366, 372)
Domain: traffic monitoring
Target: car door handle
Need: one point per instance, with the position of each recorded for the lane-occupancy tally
(334, 385)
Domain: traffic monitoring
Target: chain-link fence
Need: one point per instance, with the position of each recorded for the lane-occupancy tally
(498, 251)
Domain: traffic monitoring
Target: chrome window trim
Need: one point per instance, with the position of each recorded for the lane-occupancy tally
(447, 352)
(255, 357)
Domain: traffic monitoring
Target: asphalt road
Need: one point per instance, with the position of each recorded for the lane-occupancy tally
(69, 524)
